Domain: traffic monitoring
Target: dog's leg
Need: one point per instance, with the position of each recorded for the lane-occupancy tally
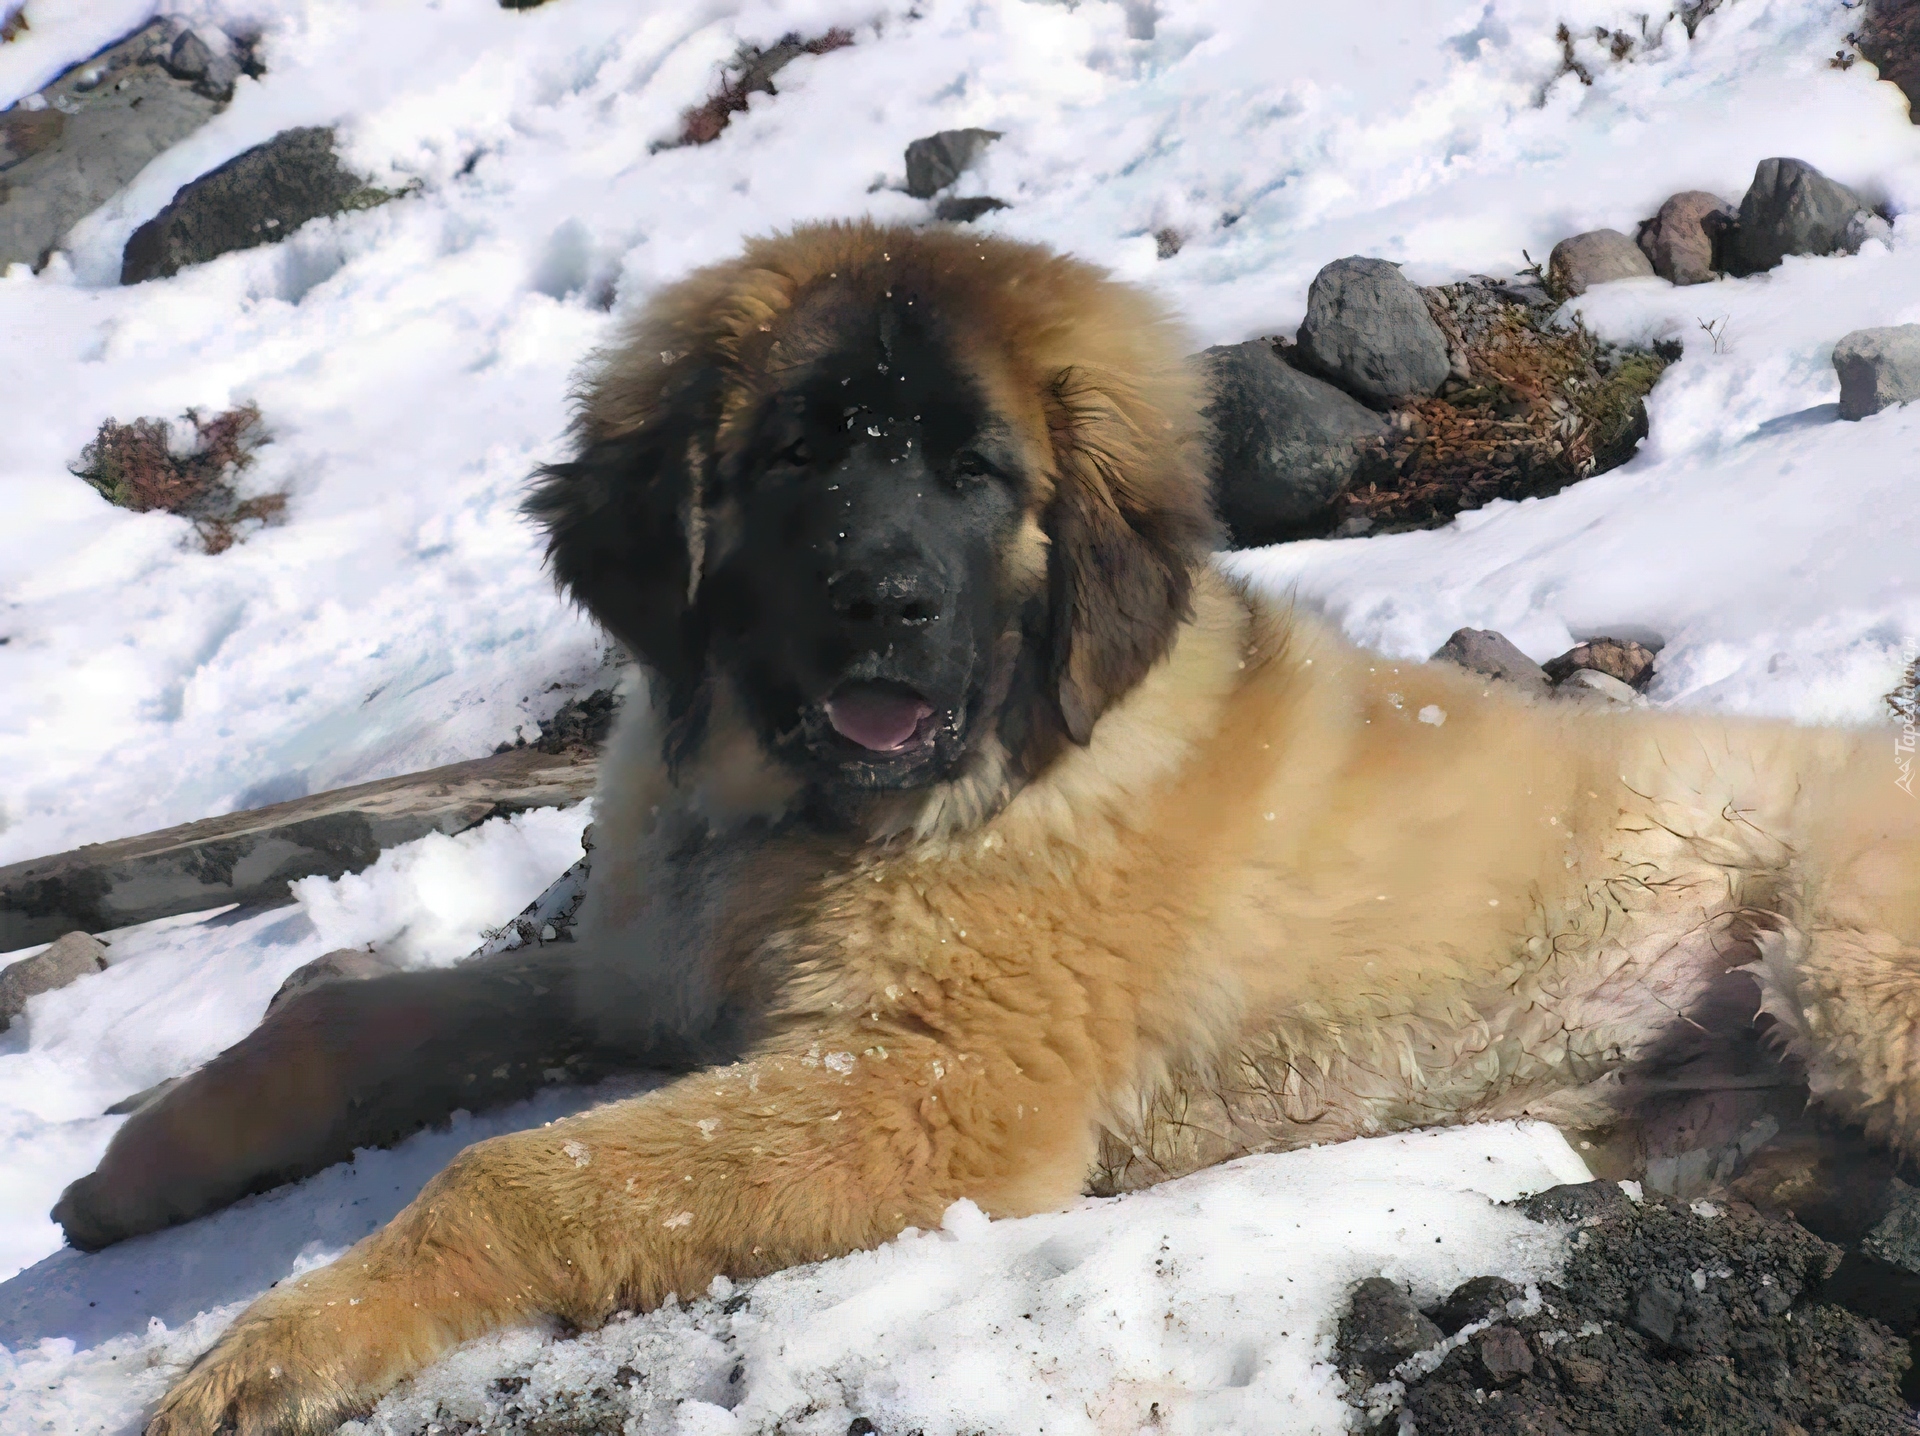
(796, 1155)
(358, 1064)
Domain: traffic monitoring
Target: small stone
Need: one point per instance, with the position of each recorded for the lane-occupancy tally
(1630, 662)
(66, 960)
(1878, 368)
(217, 81)
(1473, 1300)
(1580, 1372)
(965, 209)
(1481, 650)
(936, 161)
(1656, 1310)
(1369, 331)
(1504, 1354)
(1599, 256)
(344, 964)
(862, 1426)
(189, 57)
(1679, 240)
(1381, 1329)
(1895, 1238)
(1791, 208)
(1580, 1202)
(1285, 444)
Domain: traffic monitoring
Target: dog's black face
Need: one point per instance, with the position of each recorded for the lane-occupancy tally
(854, 590)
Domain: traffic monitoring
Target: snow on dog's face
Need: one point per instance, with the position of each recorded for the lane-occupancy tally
(896, 501)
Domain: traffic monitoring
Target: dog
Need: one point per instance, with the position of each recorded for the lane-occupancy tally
(979, 837)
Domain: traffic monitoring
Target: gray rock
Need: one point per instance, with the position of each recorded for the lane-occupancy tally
(189, 57)
(94, 129)
(1791, 208)
(343, 964)
(956, 209)
(1895, 1238)
(1865, 225)
(67, 960)
(936, 161)
(1878, 368)
(1368, 330)
(1381, 1329)
(1481, 650)
(1679, 241)
(255, 198)
(1599, 256)
(1285, 445)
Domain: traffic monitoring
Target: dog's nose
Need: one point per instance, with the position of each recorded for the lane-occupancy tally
(884, 598)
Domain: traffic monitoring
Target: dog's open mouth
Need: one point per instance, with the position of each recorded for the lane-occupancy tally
(880, 717)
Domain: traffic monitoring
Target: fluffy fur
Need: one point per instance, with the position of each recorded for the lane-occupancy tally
(1209, 881)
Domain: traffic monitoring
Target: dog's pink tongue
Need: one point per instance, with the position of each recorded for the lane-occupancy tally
(882, 721)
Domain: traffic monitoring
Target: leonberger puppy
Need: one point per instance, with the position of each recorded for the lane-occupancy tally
(980, 838)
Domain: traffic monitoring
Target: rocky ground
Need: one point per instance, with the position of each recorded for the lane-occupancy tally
(1706, 1318)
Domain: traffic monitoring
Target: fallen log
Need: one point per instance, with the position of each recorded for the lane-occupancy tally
(252, 856)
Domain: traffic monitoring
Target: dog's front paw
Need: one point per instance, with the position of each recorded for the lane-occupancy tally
(258, 1381)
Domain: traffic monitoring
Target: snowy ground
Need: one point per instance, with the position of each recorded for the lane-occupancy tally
(412, 364)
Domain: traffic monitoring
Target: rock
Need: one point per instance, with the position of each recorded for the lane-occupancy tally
(1630, 662)
(1878, 368)
(1473, 1300)
(1679, 241)
(90, 132)
(1865, 225)
(126, 1106)
(1895, 1238)
(1591, 685)
(936, 161)
(1368, 330)
(1656, 1309)
(1285, 444)
(343, 964)
(1381, 1329)
(1481, 650)
(68, 959)
(189, 57)
(254, 198)
(1599, 256)
(956, 209)
(1579, 1202)
(1504, 1354)
(1791, 208)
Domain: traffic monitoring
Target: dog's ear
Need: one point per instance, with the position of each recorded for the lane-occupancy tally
(1128, 520)
(623, 520)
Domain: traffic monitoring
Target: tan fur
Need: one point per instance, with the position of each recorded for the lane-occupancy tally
(1268, 902)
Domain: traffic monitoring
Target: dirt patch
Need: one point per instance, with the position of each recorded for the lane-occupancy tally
(1704, 1318)
(1542, 405)
(139, 466)
(13, 23)
(751, 73)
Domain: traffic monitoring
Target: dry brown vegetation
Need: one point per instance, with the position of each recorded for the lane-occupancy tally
(751, 73)
(137, 466)
(13, 22)
(1543, 406)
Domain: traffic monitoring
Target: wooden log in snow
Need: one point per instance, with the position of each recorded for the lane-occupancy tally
(252, 856)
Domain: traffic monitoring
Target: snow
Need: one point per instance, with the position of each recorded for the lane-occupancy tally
(412, 364)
